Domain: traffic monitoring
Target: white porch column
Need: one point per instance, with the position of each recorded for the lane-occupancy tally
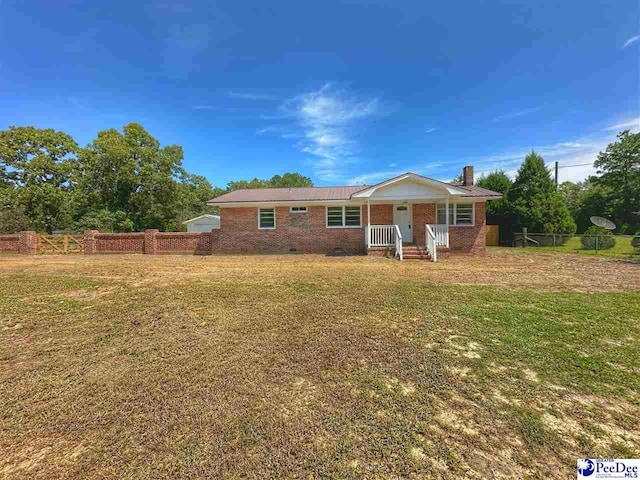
(368, 222)
(446, 216)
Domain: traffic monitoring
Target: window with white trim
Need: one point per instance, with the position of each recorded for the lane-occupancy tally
(266, 218)
(344, 217)
(459, 214)
(298, 209)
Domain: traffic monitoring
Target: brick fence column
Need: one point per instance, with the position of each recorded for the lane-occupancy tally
(150, 241)
(90, 246)
(28, 243)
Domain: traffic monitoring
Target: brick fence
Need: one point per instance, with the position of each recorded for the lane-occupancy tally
(149, 242)
(23, 242)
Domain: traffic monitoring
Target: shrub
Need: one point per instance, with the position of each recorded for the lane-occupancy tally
(598, 237)
(635, 243)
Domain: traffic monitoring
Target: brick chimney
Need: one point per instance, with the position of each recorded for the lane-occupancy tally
(467, 175)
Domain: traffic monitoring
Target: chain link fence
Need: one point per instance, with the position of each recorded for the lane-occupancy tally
(622, 245)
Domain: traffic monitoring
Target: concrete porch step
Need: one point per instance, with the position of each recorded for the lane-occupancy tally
(417, 257)
(415, 252)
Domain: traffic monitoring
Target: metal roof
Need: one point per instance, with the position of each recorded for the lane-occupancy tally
(315, 194)
(288, 194)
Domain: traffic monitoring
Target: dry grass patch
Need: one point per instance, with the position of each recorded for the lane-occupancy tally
(298, 366)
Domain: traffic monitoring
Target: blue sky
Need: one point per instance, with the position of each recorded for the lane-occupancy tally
(345, 92)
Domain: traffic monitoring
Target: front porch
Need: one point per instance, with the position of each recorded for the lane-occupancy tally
(422, 216)
(424, 230)
(407, 230)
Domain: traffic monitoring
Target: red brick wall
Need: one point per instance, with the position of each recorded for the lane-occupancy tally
(28, 242)
(25, 242)
(470, 239)
(9, 243)
(149, 242)
(304, 232)
(178, 242)
(461, 239)
(119, 243)
(381, 214)
(423, 214)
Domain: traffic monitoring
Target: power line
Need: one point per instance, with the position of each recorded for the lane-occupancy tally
(576, 165)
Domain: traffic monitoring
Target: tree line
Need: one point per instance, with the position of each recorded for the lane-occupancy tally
(531, 200)
(120, 182)
(126, 181)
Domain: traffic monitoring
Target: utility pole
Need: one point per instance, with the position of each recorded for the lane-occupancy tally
(556, 175)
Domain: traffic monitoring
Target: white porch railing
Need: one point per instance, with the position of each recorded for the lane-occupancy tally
(381, 235)
(398, 240)
(385, 236)
(442, 235)
(430, 242)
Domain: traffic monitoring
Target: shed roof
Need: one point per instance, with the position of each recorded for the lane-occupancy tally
(206, 215)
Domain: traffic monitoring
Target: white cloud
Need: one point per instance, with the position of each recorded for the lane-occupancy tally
(431, 130)
(205, 107)
(633, 124)
(376, 177)
(577, 168)
(329, 118)
(520, 113)
(631, 40)
(250, 96)
(574, 157)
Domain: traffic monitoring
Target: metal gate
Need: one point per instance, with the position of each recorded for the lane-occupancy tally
(54, 244)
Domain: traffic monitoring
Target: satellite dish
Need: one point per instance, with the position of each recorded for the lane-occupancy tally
(603, 222)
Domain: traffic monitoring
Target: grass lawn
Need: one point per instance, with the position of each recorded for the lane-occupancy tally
(512, 365)
(622, 248)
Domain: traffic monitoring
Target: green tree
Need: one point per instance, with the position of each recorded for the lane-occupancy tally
(122, 181)
(534, 201)
(105, 221)
(586, 199)
(13, 219)
(130, 172)
(497, 181)
(573, 195)
(193, 193)
(288, 180)
(458, 178)
(36, 166)
(619, 170)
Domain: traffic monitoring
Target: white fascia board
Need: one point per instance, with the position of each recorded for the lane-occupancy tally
(450, 189)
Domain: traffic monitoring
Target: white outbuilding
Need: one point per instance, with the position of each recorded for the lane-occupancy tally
(203, 223)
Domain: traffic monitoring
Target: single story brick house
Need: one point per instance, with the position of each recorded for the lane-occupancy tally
(409, 216)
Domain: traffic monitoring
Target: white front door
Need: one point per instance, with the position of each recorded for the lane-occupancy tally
(402, 218)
